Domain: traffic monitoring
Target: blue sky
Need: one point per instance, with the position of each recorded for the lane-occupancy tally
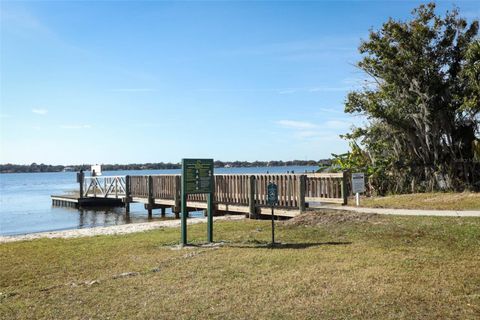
(123, 82)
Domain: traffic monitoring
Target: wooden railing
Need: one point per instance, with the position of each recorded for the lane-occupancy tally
(288, 189)
(165, 186)
(138, 186)
(293, 189)
(326, 187)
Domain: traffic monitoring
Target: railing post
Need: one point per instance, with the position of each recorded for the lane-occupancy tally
(127, 199)
(344, 188)
(177, 197)
(302, 183)
(252, 213)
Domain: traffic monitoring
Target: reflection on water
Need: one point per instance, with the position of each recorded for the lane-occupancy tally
(100, 217)
(105, 217)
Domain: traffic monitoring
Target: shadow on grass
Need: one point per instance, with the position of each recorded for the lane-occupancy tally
(277, 245)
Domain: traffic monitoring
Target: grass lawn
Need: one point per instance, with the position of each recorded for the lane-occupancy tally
(334, 266)
(427, 201)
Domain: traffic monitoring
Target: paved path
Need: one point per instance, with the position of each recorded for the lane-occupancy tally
(405, 212)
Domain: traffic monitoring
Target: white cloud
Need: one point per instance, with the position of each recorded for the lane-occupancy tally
(338, 124)
(75, 126)
(313, 89)
(306, 134)
(295, 124)
(20, 19)
(335, 110)
(40, 111)
(328, 89)
(308, 49)
(287, 91)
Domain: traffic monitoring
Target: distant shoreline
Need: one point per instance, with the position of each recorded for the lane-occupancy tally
(38, 168)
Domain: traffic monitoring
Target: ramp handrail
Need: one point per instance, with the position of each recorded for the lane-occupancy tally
(104, 186)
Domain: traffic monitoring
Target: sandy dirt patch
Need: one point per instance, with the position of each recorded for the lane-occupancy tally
(112, 230)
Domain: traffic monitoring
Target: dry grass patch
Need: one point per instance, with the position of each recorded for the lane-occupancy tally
(381, 267)
(427, 201)
(326, 216)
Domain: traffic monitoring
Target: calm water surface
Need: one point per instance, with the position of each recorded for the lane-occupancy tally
(26, 207)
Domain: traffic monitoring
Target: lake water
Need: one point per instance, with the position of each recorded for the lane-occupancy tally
(26, 207)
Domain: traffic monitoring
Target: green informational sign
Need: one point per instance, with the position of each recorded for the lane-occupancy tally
(197, 175)
(272, 194)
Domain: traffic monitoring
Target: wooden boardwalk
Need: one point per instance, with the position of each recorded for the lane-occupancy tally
(234, 193)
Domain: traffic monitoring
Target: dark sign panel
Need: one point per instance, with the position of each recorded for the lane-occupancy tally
(197, 175)
(272, 196)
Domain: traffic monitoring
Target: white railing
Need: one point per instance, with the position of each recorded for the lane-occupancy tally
(104, 186)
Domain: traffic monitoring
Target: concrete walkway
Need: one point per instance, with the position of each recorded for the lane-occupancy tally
(405, 212)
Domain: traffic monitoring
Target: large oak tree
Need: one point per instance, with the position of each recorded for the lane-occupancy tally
(422, 103)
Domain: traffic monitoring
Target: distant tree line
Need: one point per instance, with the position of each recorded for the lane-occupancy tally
(34, 167)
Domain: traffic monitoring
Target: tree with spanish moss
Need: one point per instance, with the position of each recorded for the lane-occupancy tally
(422, 102)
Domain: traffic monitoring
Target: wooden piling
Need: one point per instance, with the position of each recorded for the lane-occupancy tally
(252, 214)
(151, 199)
(177, 198)
(128, 193)
(301, 193)
(80, 179)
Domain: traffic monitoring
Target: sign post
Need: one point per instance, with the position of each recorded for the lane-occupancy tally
(197, 178)
(272, 198)
(358, 186)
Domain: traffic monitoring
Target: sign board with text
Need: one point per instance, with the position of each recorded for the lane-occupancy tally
(272, 194)
(197, 178)
(358, 182)
(197, 175)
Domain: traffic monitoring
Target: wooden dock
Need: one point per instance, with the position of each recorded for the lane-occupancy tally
(234, 193)
(74, 201)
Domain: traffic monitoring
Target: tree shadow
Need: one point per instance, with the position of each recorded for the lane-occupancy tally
(279, 245)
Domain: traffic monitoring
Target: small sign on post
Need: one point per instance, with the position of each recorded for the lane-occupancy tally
(358, 185)
(272, 199)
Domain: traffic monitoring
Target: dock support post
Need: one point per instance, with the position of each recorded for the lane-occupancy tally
(151, 199)
(177, 197)
(302, 181)
(252, 214)
(344, 188)
(163, 212)
(80, 179)
(127, 199)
